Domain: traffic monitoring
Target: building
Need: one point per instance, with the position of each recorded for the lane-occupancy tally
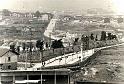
(35, 77)
(45, 17)
(8, 59)
(107, 20)
(120, 20)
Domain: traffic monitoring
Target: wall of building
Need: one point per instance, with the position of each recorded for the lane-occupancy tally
(8, 58)
(8, 66)
(8, 61)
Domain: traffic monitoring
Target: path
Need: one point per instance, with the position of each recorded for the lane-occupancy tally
(50, 28)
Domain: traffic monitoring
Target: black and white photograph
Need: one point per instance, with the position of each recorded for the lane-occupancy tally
(61, 41)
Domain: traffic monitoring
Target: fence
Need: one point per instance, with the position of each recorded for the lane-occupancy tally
(37, 56)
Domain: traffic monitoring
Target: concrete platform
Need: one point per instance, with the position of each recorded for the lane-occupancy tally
(35, 77)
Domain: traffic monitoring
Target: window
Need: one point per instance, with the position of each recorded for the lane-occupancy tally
(9, 59)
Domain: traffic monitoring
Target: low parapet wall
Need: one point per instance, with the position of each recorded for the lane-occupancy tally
(86, 61)
(83, 82)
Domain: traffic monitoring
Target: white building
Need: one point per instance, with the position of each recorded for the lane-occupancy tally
(8, 59)
(45, 17)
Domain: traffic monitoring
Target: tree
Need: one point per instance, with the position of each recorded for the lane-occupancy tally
(30, 46)
(54, 44)
(6, 12)
(57, 44)
(91, 36)
(103, 36)
(114, 37)
(37, 14)
(18, 49)
(60, 43)
(106, 20)
(23, 46)
(39, 44)
(96, 38)
(82, 38)
(75, 41)
(12, 48)
(87, 42)
(47, 45)
(120, 20)
(109, 36)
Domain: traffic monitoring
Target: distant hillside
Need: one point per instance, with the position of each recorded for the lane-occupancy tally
(99, 11)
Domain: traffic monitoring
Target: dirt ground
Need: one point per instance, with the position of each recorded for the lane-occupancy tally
(108, 66)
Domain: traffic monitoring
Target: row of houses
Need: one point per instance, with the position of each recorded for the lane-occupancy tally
(104, 19)
(44, 16)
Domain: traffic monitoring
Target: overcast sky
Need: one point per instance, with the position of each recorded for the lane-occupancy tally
(50, 5)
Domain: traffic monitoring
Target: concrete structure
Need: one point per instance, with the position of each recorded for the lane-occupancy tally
(84, 82)
(67, 59)
(35, 77)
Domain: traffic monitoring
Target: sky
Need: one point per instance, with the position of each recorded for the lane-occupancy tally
(61, 5)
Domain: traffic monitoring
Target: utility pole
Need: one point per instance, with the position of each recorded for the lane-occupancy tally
(30, 43)
(26, 59)
(30, 52)
(50, 40)
(82, 55)
(82, 45)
